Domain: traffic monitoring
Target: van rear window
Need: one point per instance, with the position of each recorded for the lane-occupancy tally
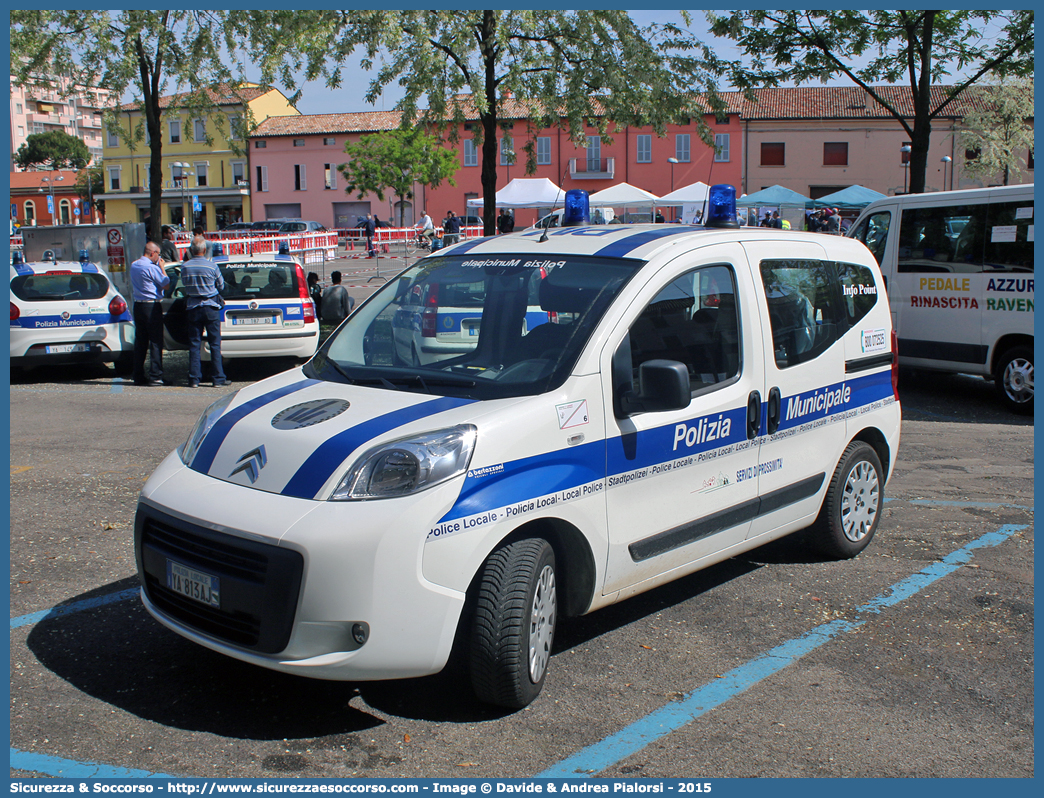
(58, 287)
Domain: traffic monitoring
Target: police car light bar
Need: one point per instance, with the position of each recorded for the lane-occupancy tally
(577, 209)
(284, 248)
(85, 256)
(216, 250)
(16, 258)
(721, 207)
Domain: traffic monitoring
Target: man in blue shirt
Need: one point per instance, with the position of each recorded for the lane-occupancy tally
(203, 283)
(148, 281)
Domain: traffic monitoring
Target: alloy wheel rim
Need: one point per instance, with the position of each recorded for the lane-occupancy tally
(859, 502)
(542, 623)
(1018, 380)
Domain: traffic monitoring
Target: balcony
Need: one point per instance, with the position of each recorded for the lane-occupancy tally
(592, 169)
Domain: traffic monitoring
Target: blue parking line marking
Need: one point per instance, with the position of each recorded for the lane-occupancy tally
(117, 385)
(76, 606)
(631, 739)
(984, 505)
(70, 769)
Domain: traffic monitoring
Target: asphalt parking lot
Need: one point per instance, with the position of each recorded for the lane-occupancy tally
(913, 660)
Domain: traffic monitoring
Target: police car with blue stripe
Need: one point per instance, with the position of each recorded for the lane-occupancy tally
(66, 313)
(695, 393)
(268, 311)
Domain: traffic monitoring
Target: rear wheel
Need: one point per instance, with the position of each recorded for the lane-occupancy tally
(1014, 379)
(852, 508)
(513, 627)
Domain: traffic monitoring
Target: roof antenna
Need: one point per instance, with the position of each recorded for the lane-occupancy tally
(547, 219)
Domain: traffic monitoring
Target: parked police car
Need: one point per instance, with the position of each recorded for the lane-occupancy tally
(696, 393)
(268, 311)
(64, 312)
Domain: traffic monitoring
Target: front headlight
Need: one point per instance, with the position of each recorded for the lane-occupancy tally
(408, 465)
(188, 449)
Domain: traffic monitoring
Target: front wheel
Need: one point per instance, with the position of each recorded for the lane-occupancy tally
(1014, 379)
(513, 627)
(848, 519)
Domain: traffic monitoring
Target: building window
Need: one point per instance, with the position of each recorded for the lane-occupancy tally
(260, 144)
(773, 154)
(234, 124)
(721, 147)
(30, 212)
(681, 147)
(199, 130)
(300, 183)
(1029, 160)
(18, 108)
(835, 153)
(470, 153)
(175, 131)
(21, 131)
(112, 139)
(594, 153)
(114, 178)
(644, 149)
(507, 151)
(262, 178)
(299, 142)
(543, 150)
(201, 174)
(329, 141)
(969, 155)
(238, 173)
(64, 211)
(329, 175)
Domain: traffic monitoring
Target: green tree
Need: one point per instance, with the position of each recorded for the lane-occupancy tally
(544, 66)
(394, 161)
(1000, 131)
(129, 52)
(54, 149)
(918, 48)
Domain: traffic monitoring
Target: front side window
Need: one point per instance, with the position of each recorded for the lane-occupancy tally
(694, 321)
(483, 327)
(643, 149)
(804, 306)
(873, 232)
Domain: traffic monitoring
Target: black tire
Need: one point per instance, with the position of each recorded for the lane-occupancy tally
(513, 626)
(852, 507)
(1014, 379)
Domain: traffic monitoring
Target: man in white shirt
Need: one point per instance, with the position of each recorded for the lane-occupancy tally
(425, 227)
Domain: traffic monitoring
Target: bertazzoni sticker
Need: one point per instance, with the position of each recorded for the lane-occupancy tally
(874, 340)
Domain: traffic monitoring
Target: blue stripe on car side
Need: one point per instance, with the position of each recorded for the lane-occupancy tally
(209, 448)
(320, 465)
(623, 247)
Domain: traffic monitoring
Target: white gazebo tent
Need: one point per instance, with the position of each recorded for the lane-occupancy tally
(690, 199)
(526, 192)
(623, 196)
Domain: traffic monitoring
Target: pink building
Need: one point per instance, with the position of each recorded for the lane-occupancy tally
(42, 109)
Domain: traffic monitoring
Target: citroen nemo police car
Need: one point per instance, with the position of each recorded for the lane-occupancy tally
(696, 393)
(268, 311)
(64, 313)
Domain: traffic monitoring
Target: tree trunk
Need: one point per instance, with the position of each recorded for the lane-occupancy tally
(489, 125)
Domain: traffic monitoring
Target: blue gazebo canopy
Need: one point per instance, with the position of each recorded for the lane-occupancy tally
(773, 196)
(852, 197)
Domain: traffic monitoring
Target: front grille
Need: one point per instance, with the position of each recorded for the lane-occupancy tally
(259, 582)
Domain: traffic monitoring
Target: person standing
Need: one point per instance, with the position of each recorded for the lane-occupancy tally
(203, 284)
(505, 222)
(148, 281)
(337, 303)
(315, 291)
(370, 230)
(168, 250)
(450, 229)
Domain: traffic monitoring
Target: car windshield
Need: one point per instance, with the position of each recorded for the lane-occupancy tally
(59, 285)
(481, 327)
(259, 281)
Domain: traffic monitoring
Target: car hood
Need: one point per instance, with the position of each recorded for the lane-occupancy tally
(297, 436)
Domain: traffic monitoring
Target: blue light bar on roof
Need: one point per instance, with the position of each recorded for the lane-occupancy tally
(284, 248)
(721, 207)
(577, 209)
(216, 250)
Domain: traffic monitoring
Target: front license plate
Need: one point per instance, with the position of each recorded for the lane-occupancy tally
(64, 349)
(253, 319)
(196, 585)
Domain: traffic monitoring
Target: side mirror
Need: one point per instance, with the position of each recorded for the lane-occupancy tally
(662, 385)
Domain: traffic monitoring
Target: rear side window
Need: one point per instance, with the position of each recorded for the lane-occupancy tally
(942, 240)
(260, 281)
(58, 286)
(805, 308)
(858, 291)
(1009, 240)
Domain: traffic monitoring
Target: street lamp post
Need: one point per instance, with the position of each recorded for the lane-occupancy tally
(905, 149)
(51, 180)
(672, 161)
(946, 159)
(183, 174)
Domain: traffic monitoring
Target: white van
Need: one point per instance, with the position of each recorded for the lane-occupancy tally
(959, 269)
(694, 393)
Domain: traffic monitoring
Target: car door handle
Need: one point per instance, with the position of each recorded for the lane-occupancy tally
(753, 415)
(775, 405)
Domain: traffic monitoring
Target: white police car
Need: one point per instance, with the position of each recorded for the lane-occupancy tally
(64, 313)
(268, 311)
(699, 392)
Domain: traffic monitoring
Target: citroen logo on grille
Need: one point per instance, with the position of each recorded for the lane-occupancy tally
(252, 462)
